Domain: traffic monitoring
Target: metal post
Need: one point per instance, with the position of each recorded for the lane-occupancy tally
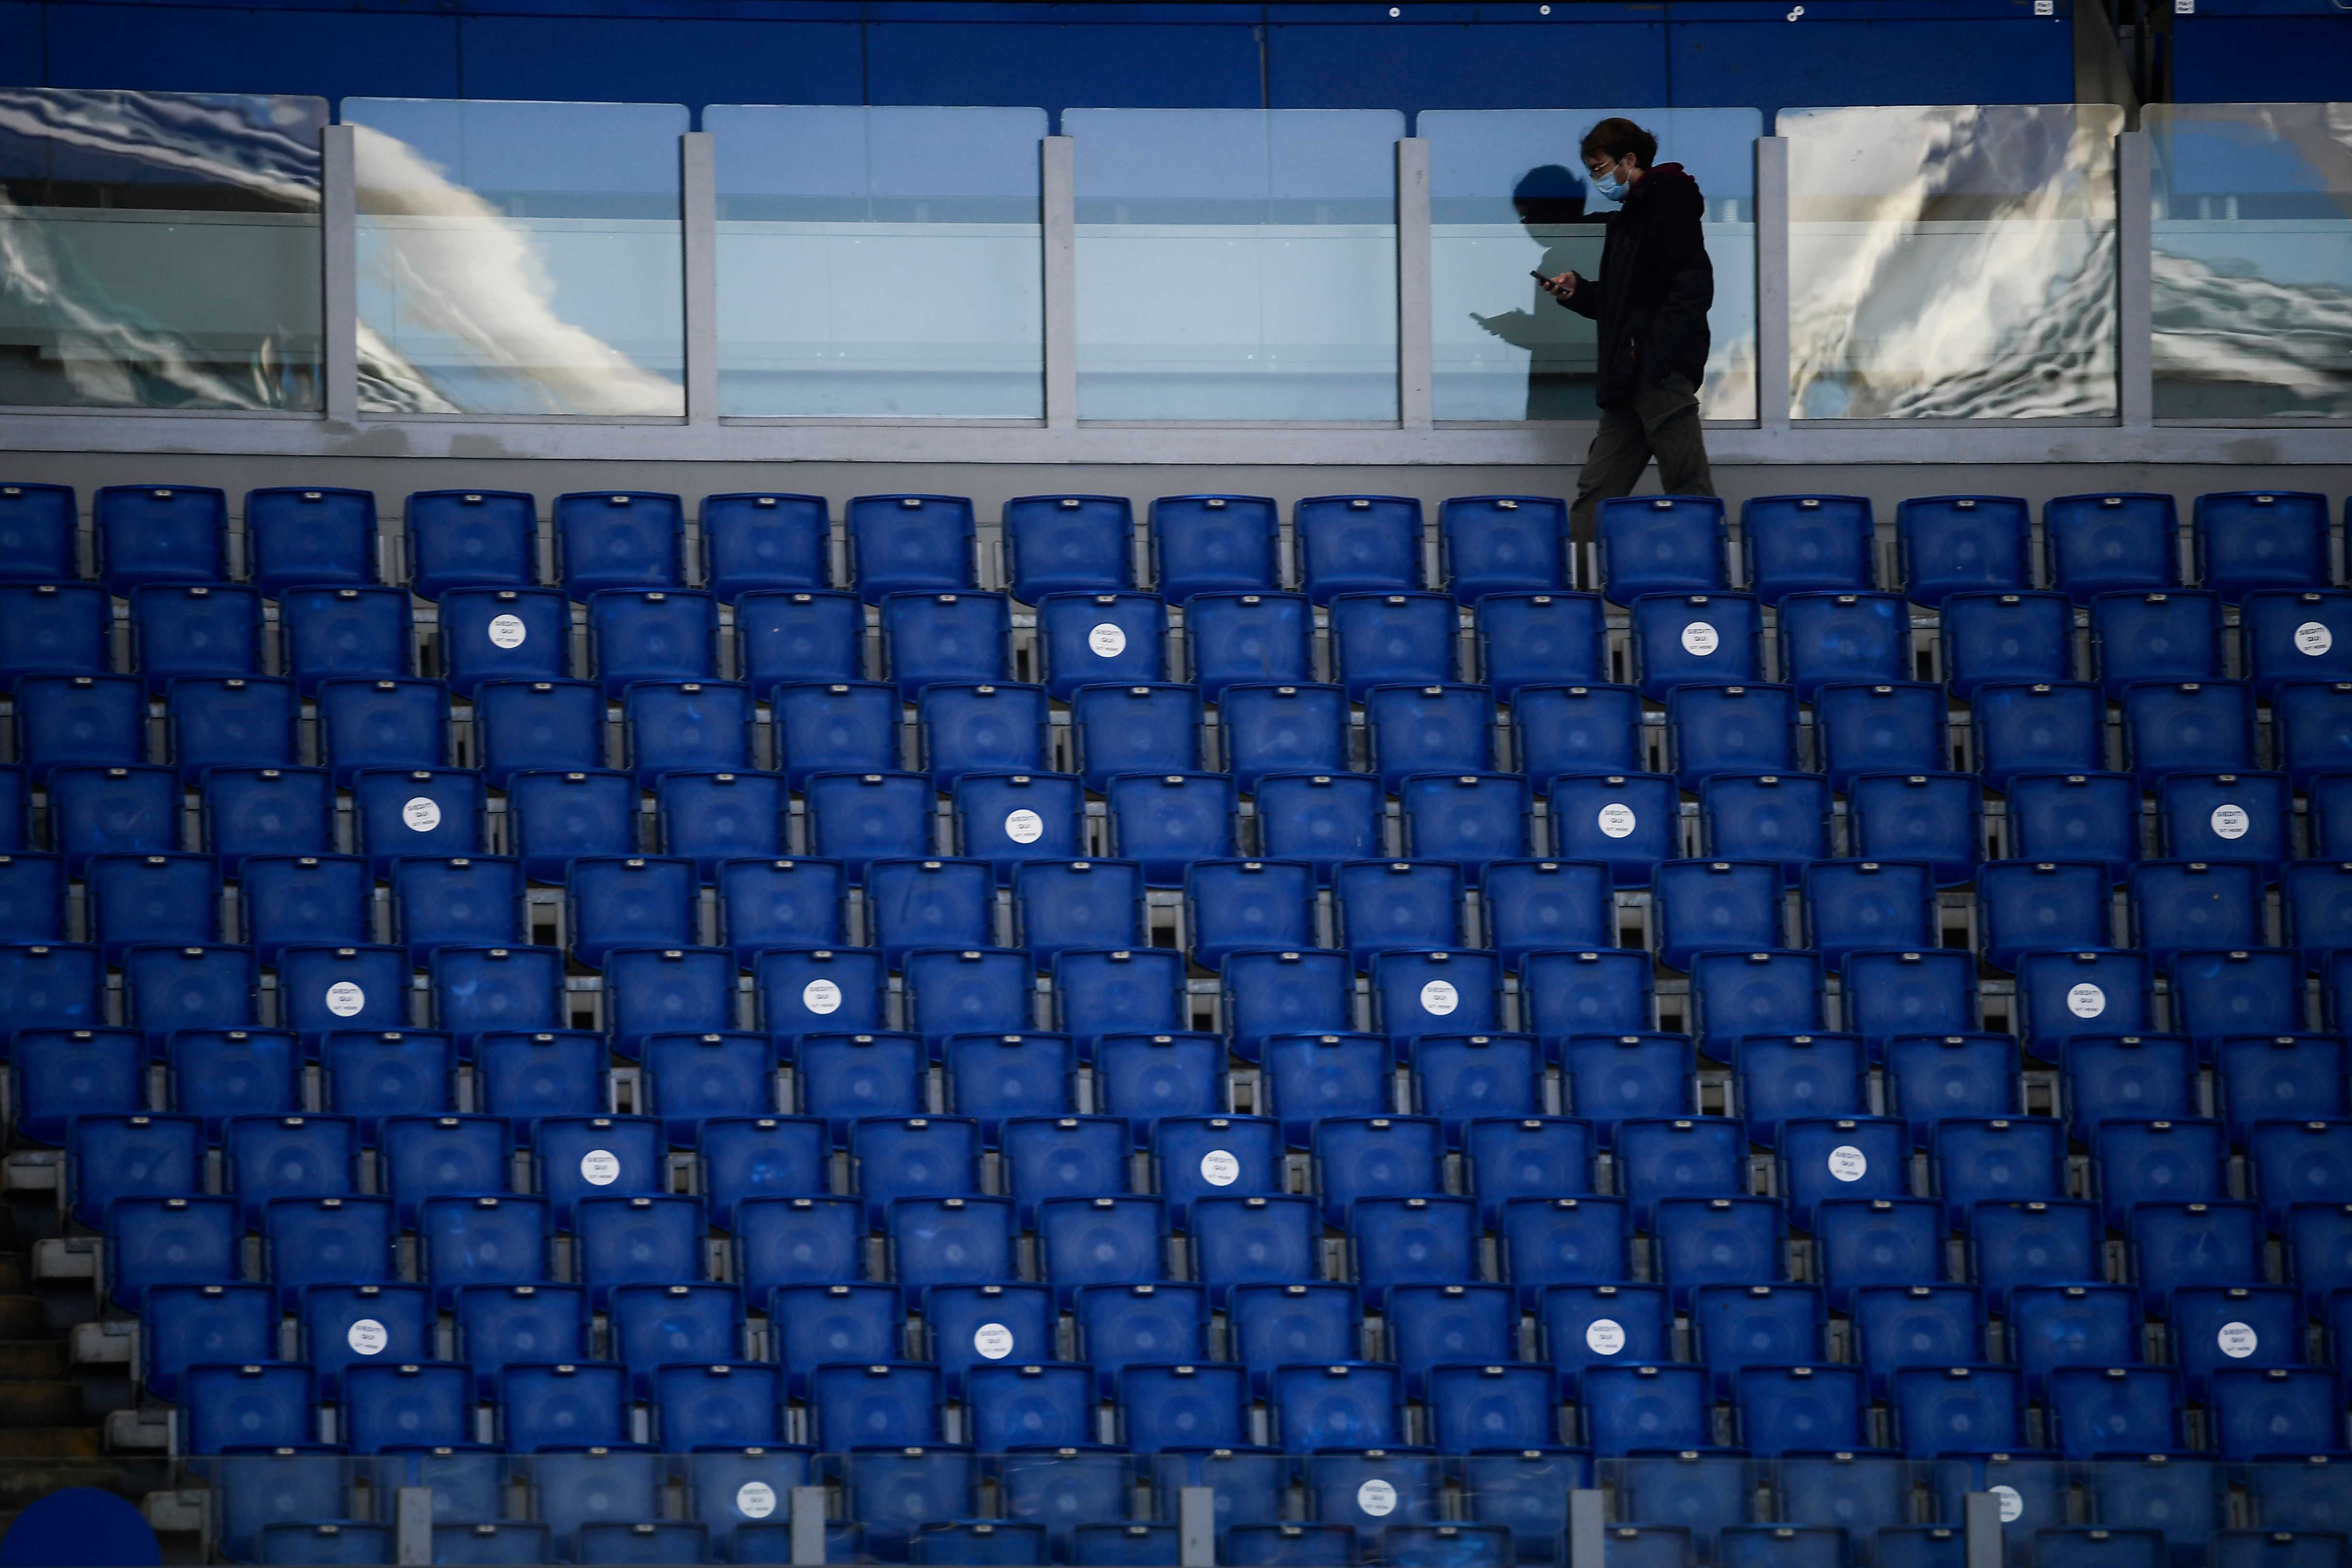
(1057, 163)
(1588, 1527)
(413, 1525)
(339, 224)
(808, 1527)
(1196, 1526)
(699, 207)
(2135, 300)
(1773, 282)
(1981, 1516)
(1414, 398)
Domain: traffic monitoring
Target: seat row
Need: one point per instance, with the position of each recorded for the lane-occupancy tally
(2091, 544)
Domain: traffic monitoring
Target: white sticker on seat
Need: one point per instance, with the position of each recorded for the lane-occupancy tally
(1848, 1163)
(2312, 639)
(1107, 641)
(508, 631)
(2012, 1505)
(2237, 1340)
(345, 998)
(1376, 1498)
(1700, 638)
(993, 1341)
(1605, 1336)
(1024, 827)
(422, 814)
(2231, 821)
(821, 997)
(1219, 1168)
(367, 1337)
(600, 1167)
(755, 1500)
(1617, 819)
(1439, 997)
(2087, 1001)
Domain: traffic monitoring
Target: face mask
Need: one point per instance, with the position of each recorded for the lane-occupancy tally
(1612, 187)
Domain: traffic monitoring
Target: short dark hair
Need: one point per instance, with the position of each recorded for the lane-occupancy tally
(1614, 138)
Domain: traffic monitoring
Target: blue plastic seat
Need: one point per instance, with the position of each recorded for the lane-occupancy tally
(1647, 1406)
(2025, 906)
(327, 1241)
(2275, 1412)
(2247, 541)
(1436, 990)
(2160, 1161)
(1358, 544)
(1584, 1326)
(465, 539)
(1186, 1405)
(909, 542)
(1359, 1159)
(1840, 1159)
(1958, 1409)
(1788, 1075)
(1661, 1158)
(171, 533)
(1736, 1327)
(2224, 991)
(503, 634)
(1762, 992)
(1782, 817)
(2084, 991)
(1068, 544)
(1723, 1240)
(1007, 818)
(2110, 544)
(1575, 728)
(373, 1074)
(365, 725)
(1471, 819)
(638, 1239)
(1935, 817)
(2300, 1162)
(1885, 728)
(1268, 729)
(912, 1157)
(1708, 905)
(1429, 730)
(52, 985)
(112, 1158)
(632, 539)
(1530, 906)
(1459, 1077)
(1498, 544)
(712, 818)
(1096, 639)
(1060, 906)
(1338, 1405)
(321, 987)
(1306, 1077)
(954, 991)
(2022, 727)
(1713, 729)
(1400, 1240)
(1275, 1325)
(492, 1244)
(780, 903)
(542, 725)
(1122, 1325)
(1795, 544)
(2180, 905)
(1085, 1241)
(1246, 639)
(1934, 1075)
(2150, 1077)
(1629, 822)
(1101, 991)
(955, 637)
(1384, 639)
(422, 1403)
(858, 818)
(2075, 817)
(1253, 1240)
(1956, 544)
(346, 634)
(929, 903)
(1147, 1076)
(651, 634)
(1785, 1409)
(728, 1404)
(950, 1241)
(523, 1076)
(575, 1416)
(80, 721)
(187, 1325)
(2036, 1243)
(896, 1494)
(843, 1078)
(302, 1156)
(797, 1241)
(153, 1240)
(1541, 640)
(1203, 1156)
(2312, 729)
(2165, 636)
(1270, 992)
(690, 1077)
(1553, 1241)
(2279, 1076)
(673, 726)
(968, 1326)
(1164, 822)
(240, 721)
(417, 812)
(2187, 728)
(1827, 638)
(1320, 818)
(1900, 1326)
(37, 532)
(990, 727)
(221, 1073)
(178, 629)
(656, 990)
(1662, 544)
(783, 636)
(172, 898)
(56, 628)
(2277, 1548)
(58, 1074)
(1609, 1077)
(475, 989)
(169, 988)
(1998, 1160)
(2217, 1326)
(826, 989)
(2296, 636)
(2056, 1326)
(1029, 1405)
(2318, 916)
(1679, 639)
(262, 1405)
(285, 898)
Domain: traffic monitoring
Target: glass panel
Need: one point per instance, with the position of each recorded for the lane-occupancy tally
(159, 249)
(1237, 264)
(1507, 197)
(519, 258)
(880, 261)
(2253, 259)
(1952, 262)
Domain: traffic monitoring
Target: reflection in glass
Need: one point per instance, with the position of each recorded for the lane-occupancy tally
(880, 262)
(159, 249)
(519, 258)
(1508, 195)
(1952, 262)
(2252, 269)
(1237, 264)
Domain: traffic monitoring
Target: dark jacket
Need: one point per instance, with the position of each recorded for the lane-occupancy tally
(1654, 288)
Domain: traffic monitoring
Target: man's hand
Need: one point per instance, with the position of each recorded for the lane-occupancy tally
(1558, 287)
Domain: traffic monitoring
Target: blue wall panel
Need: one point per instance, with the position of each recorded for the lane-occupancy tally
(1738, 53)
(693, 61)
(280, 49)
(2262, 51)
(1064, 65)
(1606, 54)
